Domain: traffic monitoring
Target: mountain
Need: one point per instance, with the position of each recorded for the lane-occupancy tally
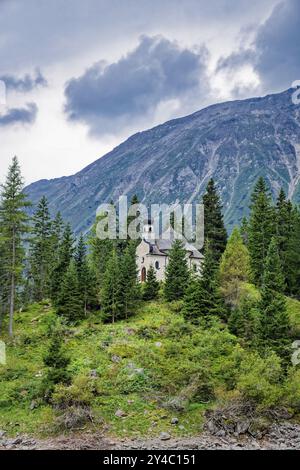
(232, 142)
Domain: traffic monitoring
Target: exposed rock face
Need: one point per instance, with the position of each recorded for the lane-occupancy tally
(232, 142)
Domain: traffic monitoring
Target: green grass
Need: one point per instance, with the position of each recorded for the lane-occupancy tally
(177, 361)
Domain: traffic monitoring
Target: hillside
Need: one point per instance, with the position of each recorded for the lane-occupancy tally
(233, 142)
(150, 374)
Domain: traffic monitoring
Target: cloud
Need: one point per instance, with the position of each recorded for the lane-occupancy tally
(24, 84)
(157, 71)
(275, 51)
(26, 115)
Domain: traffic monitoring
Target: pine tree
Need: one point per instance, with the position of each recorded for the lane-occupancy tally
(202, 298)
(292, 256)
(214, 228)
(234, 268)
(14, 226)
(112, 300)
(261, 229)
(85, 278)
(177, 273)
(70, 304)
(41, 251)
(284, 216)
(65, 256)
(56, 362)
(275, 326)
(245, 322)
(128, 277)
(151, 286)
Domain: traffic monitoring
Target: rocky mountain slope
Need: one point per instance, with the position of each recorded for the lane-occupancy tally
(232, 142)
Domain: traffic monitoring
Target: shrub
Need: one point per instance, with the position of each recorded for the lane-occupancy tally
(292, 390)
(80, 393)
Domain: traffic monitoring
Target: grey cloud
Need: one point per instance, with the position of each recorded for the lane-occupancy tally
(275, 53)
(156, 71)
(26, 115)
(26, 83)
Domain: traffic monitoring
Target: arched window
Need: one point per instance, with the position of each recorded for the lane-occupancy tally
(156, 264)
(143, 274)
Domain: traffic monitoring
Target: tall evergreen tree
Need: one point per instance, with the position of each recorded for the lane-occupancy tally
(234, 268)
(292, 257)
(245, 322)
(151, 286)
(86, 286)
(261, 229)
(112, 300)
(70, 304)
(274, 316)
(65, 256)
(202, 298)
(128, 277)
(214, 228)
(177, 273)
(14, 226)
(100, 253)
(284, 216)
(41, 251)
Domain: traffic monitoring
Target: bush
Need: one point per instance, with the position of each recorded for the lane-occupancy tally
(259, 379)
(80, 393)
(292, 390)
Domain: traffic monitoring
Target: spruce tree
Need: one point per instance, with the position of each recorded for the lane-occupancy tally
(112, 300)
(202, 298)
(177, 273)
(234, 268)
(292, 256)
(245, 322)
(128, 277)
(14, 226)
(261, 229)
(85, 278)
(214, 228)
(56, 361)
(245, 230)
(275, 325)
(41, 252)
(70, 304)
(65, 256)
(284, 216)
(151, 286)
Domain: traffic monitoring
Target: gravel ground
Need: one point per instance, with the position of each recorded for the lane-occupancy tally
(284, 436)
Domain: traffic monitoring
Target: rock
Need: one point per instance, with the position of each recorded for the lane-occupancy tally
(2, 434)
(164, 436)
(129, 331)
(116, 359)
(93, 373)
(33, 405)
(242, 427)
(174, 421)
(120, 414)
(158, 344)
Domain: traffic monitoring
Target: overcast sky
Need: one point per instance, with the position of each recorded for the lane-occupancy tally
(81, 76)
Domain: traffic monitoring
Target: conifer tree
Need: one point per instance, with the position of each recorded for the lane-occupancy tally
(245, 230)
(14, 226)
(70, 304)
(41, 251)
(202, 299)
(128, 277)
(100, 253)
(85, 280)
(234, 268)
(275, 325)
(151, 286)
(214, 228)
(177, 273)
(261, 229)
(284, 216)
(292, 256)
(65, 256)
(112, 300)
(245, 322)
(56, 361)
